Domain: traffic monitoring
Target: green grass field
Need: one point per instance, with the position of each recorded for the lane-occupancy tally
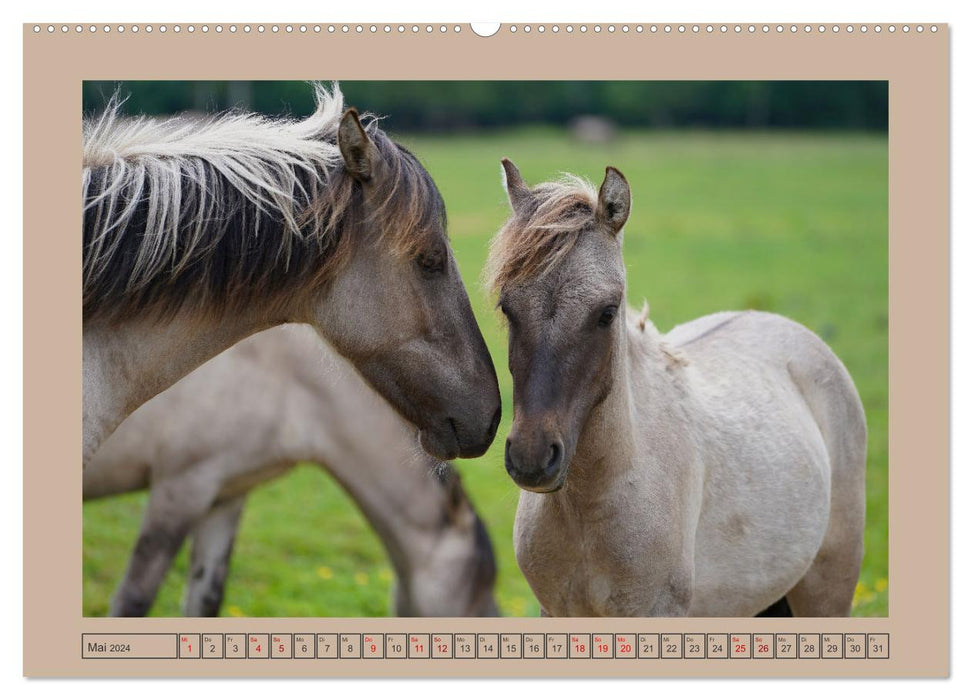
(791, 223)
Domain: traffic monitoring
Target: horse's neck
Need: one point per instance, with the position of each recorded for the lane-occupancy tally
(394, 486)
(334, 419)
(124, 366)
(629, 427)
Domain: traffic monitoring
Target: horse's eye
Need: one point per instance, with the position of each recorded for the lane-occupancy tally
(506, 312)
(431, 263)
(607, 316)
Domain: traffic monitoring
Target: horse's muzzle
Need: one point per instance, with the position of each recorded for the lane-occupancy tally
(536, 465)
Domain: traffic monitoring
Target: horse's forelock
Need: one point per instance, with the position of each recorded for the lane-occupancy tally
(539, 235)
(407, 207)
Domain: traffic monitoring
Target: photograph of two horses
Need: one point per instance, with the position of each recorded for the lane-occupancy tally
(566, 348)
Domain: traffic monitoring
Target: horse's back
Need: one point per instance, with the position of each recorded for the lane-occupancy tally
(784, 449)
(753, 342)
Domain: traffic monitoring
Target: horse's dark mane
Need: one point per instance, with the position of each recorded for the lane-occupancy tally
(216, 231)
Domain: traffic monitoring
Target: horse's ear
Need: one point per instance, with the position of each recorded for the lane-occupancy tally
(613, 203)
(356, 148)
(516, 188)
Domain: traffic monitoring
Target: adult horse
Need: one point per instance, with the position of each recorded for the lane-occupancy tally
(200, 232)
(711, 471)
(248, 416)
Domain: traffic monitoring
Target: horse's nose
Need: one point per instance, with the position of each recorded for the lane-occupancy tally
(534, 466)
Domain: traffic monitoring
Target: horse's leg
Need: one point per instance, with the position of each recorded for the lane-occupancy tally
(827, 588)
(212, 547)
(174, 507)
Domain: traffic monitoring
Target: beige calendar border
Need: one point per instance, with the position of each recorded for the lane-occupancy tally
(916, 66)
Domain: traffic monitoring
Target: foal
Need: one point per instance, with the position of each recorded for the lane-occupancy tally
(249, 415)
(711, 471)
(197, 233)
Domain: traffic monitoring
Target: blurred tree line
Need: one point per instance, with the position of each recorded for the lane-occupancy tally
(460, 105)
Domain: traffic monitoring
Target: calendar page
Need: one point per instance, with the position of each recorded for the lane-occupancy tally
(534, 350)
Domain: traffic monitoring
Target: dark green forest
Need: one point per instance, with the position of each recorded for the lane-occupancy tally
(467, 105)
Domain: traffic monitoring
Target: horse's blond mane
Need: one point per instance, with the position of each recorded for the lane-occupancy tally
(537, 237)
(220, 209)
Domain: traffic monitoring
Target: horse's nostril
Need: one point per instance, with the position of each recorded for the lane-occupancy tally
(554, 457)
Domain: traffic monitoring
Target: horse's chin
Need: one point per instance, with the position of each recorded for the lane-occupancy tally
(439, 444)
(550, 487)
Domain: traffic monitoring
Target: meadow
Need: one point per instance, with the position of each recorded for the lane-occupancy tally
(794, 223)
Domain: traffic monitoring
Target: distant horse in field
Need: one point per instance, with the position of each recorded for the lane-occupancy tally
(716, 470)
(200, 232)
(249, 415)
